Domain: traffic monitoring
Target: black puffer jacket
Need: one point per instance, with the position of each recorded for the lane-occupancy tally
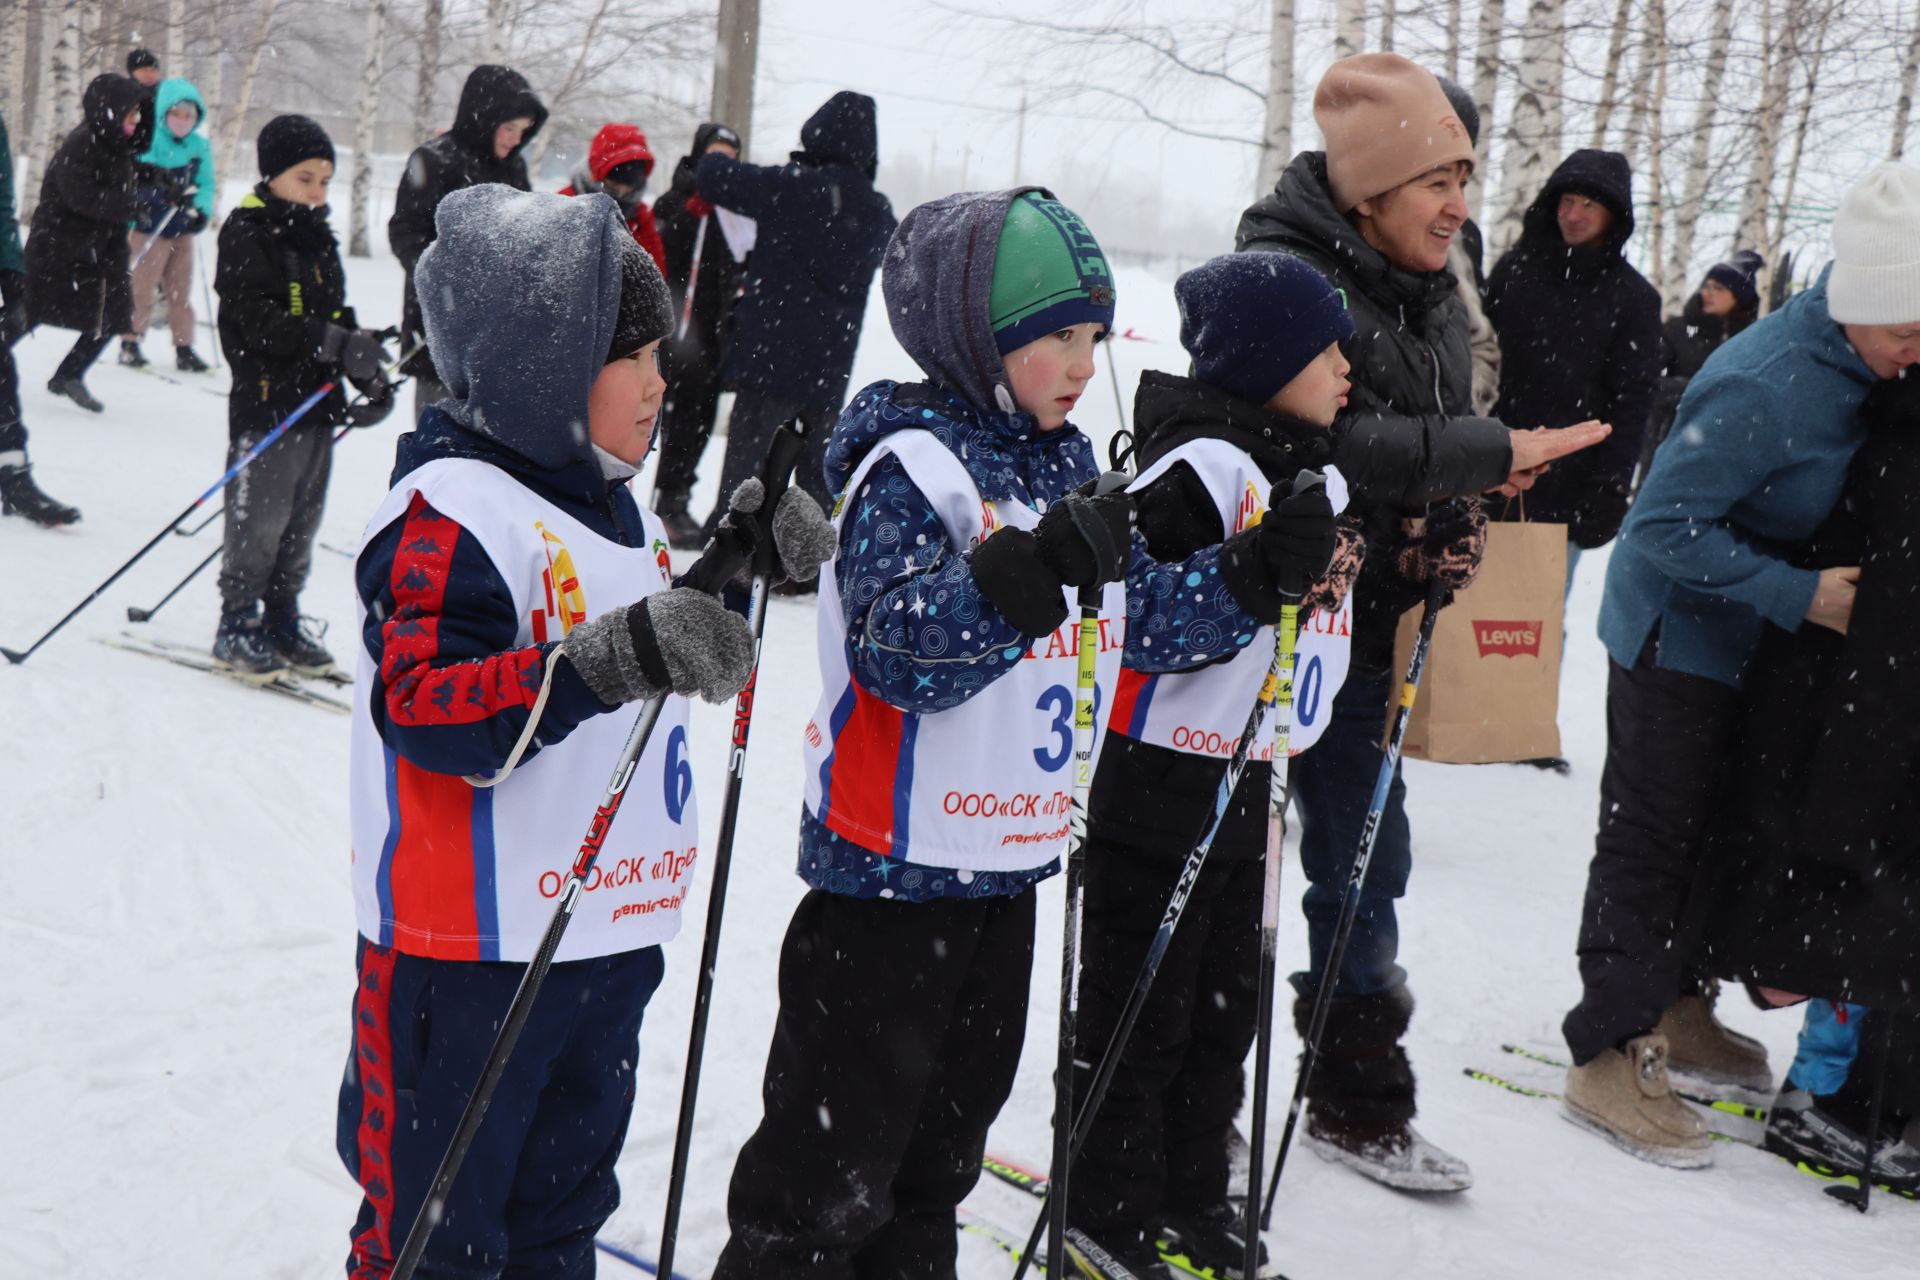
(1817, 855)
(460, 157)
(1408, 436)
(719, 281)
(77, 252)
(823, 232)
(1579, 338)
(280, 286)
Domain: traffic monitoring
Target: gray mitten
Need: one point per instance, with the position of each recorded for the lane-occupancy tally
(803, 535)
(682, 640)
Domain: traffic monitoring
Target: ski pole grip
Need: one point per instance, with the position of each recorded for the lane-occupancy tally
(783, 455)
(1110, 482)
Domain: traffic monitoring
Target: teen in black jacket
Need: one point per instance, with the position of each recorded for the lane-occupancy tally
(466, 155)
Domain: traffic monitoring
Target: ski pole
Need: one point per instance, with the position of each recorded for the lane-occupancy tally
(1270, 924)
(693, 277)
(1356, 879)
(1882, 1046)
(1109, 1061)
(515, 1018)
(206, 303)
(136, 614)
(201, 528)
(152, 240)
(18, 656)
(788, 443)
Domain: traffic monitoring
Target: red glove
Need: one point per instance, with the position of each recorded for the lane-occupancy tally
(698, 207)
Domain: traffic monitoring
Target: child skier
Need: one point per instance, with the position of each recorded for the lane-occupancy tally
(510, 584)
(287, 331)
(619, 163)
(1263, 330)
(175, 188)
(937, 795)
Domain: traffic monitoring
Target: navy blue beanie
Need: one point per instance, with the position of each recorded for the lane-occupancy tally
(286, 141)
(1253, 321)
(1737, 274)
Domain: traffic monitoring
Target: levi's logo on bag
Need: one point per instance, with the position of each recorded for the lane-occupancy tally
(1507, 639)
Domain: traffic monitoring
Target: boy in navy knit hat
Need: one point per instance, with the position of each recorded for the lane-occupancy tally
(1218, 453)
(938, 761)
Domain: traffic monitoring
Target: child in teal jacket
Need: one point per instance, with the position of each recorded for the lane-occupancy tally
(174, 184)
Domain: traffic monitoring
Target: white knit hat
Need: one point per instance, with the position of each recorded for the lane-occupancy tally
(1876, 249)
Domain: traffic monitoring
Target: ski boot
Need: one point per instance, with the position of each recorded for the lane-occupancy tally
(1700, 1048)
(1113, 1255)
(131, 355)
(240, 645)
(75, 390)
(1624, 1096)
(1362, 1096)
(683, 531)
(296, 641)
(1212, 1239)
(187, 360)
(1809, 1132)
(20, 496)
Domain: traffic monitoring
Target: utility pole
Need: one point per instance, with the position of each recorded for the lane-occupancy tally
(736, 50)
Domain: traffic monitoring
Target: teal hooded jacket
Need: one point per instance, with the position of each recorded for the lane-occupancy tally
(171, 153)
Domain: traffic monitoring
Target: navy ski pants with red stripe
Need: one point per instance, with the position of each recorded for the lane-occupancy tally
(538, 1181)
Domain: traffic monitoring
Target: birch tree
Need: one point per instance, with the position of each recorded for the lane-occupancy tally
(1453, 39)
(1276, 137)
(176, 37)
(1349, 28)
(369, 108)
(1610, 79)
(1693, 194)
(1387, 17)
(1486, 84)
(1903, 106)
(1530, 149)
(497, 36)
(432, 16)
(1769, 111)
(60, 79)
(237, 111)
(1553, 85)
(13, 65)
(1650, 111)
(1809, 95)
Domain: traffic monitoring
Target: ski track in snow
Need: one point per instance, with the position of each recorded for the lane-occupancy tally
(177, 932)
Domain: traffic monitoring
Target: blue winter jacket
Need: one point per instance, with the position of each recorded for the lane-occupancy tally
(186, 161)
(1755, 461)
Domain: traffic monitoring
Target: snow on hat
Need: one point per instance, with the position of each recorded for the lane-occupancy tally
(1876, 249)
(1739, 275)
(1386, 121)
(288, 140)
(1048, 274)
(1253, 321)
(646, 311)
(141, 58)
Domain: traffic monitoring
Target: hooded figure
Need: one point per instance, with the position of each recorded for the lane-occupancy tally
(171, 166)
(1579, 338)
(620, 152)
(77, 252)
(463, 156)
(822, 232)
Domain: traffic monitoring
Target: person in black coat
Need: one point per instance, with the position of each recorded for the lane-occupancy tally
(77, 272)
(19, 494)
(1579, 340)
(823, 230)
(498, 116)
(287, 331)
(1727, 301)
(692, 360)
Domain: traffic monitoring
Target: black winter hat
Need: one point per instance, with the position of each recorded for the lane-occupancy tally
(141, 58)
(646, 311)
(1252, 321)
(288, 140)
(1740, 275)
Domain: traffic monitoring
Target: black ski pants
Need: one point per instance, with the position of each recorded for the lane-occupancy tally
(13, 426)
(273, 512)
(1160, 1141)
(687, 414)
(1667, 735)
(750, 427)
(898, 1035)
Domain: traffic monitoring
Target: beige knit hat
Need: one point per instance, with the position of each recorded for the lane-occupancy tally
(1876, 249)
(1386, 121)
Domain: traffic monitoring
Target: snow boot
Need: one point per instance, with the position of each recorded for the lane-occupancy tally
(131, 355)
(1623, 1095)
(1212, 1239)
(296, 641)
(20, 496)
(683, 531)
(1703, 1050)
(187, 360)
(1812, 1133)
(75, 390)
(1361, 1098)
(241, 646)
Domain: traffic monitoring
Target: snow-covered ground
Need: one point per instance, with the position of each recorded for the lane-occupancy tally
(176, 936)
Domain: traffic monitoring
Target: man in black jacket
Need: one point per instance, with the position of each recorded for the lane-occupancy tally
(1579, 339)
(823, 230)
(690, 227)
(498, 116)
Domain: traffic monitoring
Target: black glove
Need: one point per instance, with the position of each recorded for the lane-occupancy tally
(1080, 542)
(358, 351)
(728, 555)
(681, 640)
(376, 405)
(1278, 560)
